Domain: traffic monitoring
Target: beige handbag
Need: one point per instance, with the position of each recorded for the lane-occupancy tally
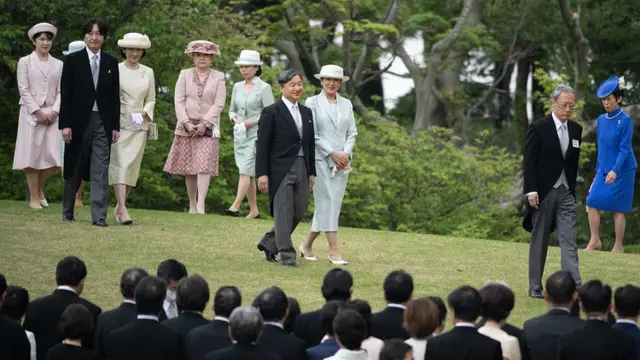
(152, 132)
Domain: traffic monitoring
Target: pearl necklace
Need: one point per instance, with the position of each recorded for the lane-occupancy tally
(613, 117)
(132, 68)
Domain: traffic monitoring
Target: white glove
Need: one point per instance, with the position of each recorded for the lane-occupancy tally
(335, 169)
(240, 130)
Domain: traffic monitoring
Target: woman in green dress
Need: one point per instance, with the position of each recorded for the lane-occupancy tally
(248, 99)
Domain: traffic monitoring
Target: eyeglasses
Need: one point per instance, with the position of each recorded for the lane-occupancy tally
(569, 106)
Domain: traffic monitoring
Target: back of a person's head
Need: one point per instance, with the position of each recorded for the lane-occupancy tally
(149, 295)
(15, 302)
(364, 309)
(245, 324)
(227, 298)
(70, 271)
(272, 304)
(129, 280)
(171, 270)
(76, 322)
(350, 329)
(421, 318)
(337, 285)
(442, 309)
(398, 287)
(395, 349)
(466, 304)
(193, 294)
(292, 314)
(328, 313)
(3, 287)
(560, 288)
(627, 301)
(497, 301)
(595, 297)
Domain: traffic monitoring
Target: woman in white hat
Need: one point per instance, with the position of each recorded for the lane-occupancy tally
(199, 98)
(248, 99)
(38, 148)
(137, 101)
(335, 131)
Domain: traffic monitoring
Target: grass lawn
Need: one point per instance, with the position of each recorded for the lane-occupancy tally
(223, 250)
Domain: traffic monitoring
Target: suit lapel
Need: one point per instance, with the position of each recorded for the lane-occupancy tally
(553, 134)
(86, 65)
(323, 102)
(306, 121)
(40, 65)
(286, 115)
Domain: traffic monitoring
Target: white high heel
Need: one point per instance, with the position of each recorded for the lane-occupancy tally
(44, 203)
(337, 262)
(310, 258)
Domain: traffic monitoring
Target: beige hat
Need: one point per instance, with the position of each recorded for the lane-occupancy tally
(249, 57)
(203, 47)
(42, 27)
(134, 41)
(331, 72)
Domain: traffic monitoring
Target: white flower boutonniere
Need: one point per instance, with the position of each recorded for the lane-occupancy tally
(621, 82)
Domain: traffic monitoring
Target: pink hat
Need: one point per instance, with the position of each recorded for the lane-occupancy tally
(203, 47)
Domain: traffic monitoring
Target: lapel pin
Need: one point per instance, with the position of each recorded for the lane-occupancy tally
(619, 122)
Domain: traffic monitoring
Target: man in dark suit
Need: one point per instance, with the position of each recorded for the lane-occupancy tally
(329, 346)
(463, 342)
(596, 340)
(627, 306)
(171, 271)
(551, 155)
(273, 306)
(193, 296)
(245, 328)
(285, 166)
(145, 337)
(387, 324)
(337, 285)
(89, 120)
(215, 335)
(43, 314)
(14, 344)
(123, 314)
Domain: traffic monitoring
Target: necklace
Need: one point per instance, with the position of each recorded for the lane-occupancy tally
(612, 117)
(132, 67)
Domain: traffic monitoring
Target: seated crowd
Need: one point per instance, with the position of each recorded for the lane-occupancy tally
(160, 317)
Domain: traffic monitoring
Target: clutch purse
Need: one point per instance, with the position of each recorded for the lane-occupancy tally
(207, 132)
(152, 132)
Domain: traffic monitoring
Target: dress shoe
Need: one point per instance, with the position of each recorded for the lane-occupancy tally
(68, 219)
(536, 294)
(44, 203)
(100, 223)
(271, 257)
(234, 213)
(291, 265)
(311, 258)
(337, 262)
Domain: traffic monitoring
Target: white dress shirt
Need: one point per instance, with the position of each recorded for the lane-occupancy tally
(399, 306)
(91, 55)
(294, 109)
(273, 323)
(67, 288)
(148, 317)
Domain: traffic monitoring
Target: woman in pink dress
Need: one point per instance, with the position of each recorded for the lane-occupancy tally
(38, 148)
(199, 98)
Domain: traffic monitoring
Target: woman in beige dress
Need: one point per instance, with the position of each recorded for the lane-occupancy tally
(137, 101)
(199, 98)
(38, 149)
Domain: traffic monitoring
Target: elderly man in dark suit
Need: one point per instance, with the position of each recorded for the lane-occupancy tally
(285, 166)
(43, 314)
(14, 344)
(192, 298)
(551, 155)
(627, 306)
(123, 314)
(388, 323)
(89, 120)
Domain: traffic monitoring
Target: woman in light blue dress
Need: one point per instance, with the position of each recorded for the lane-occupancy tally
(612, 187)
(248, 99)
(335, 131)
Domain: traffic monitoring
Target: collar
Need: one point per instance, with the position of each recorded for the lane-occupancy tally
(127, 301)
(191, 312)
(323, 94)
(466, 324)
(350, 354)
(67, 288)
(288, 103)
(221, 318)
(398, 306)
(562, 308)
(254, 80)
(558, 122)
(147, 317)
(598, 318)
(90, 54)
(615, 112)
(325, 338)
(273, 323)
(626, 321)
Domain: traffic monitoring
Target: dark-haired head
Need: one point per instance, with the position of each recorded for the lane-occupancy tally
(272, 304)
(129, 280)
(595, 297)
(286, 76)
(349, 329)
(172, 271)
(497, 301)
(193, 294)
(76, 322)
(364, 309)
(328, 313)
(560, 290)
(259, 71)
(227, 298)
(47, 34)
(149, 295)
(465, 303)
(627, 302)
(337, 285)
(442, 312)
(94, 32)
(15, 302)
(123, 53)
(396, 349)
(71, 271)
(398, 287)
(292, 314)
(88, 27)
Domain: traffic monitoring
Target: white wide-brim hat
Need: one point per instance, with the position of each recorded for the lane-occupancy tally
(42, 27)
(203, 47)
(134, 41)
(74, 46)
(331, 72)
(249, 57)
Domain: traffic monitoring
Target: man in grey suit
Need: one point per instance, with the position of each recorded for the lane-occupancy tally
(551, 155)
(285, 165)
(89, 120)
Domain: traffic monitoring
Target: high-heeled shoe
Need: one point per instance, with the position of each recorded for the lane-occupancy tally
(234, 213)
(337, 262)
(44, 203)
(310, 258)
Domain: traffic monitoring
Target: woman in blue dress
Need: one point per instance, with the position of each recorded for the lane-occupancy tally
(612, 187)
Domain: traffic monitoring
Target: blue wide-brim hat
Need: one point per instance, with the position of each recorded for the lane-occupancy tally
(610, 85)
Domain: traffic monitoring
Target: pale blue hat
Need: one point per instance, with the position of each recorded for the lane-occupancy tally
(75, 46)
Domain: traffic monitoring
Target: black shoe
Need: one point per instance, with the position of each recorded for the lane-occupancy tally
(291, 265)
(536, 294)
(232, 213)
(271, 257)
(100, 223)
(68, 219)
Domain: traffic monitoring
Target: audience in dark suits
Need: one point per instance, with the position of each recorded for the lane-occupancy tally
(192, 298)
(14, 306)
(329, 346)
(463, 342)
(371, 344)
(14, 344)
(350, 330)
(292, 315)
(272, 304)
(337, 285)
(123, 314)
(76, 323)
(245, 327)
(442, 315)
(396, 349)
(145, 337)
(214, 335)
(596, 340)
(171, 271)
(43, 314)
(387, 324)
(627, 306)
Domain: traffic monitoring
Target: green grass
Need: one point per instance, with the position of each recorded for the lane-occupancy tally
(222, 249)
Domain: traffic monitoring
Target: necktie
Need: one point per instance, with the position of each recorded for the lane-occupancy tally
(564, 138)
(296, 118)
(94, 70)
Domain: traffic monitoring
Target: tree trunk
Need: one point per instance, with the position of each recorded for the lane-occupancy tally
(581, 47)
(503, 95)
(520, 106)
(539, 110)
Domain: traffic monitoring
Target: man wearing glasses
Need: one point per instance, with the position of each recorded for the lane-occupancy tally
(551, 155)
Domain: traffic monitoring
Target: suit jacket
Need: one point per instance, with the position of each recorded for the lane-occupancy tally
(277, 341)
(387, 324)
(43, 317)
(309, 328)
(207, 338)
(241, 352)
(39, 82)
(279, 143)
(144, 339)
(248, 105)
(463, 343)
(112, 320)
(633, 331)
(14, 344)
(542, 333)
(596, 340)
(78, 96)
(544, 162)
(324, 350)
(206, 108)
(69, 352)
(185, 322)
(515, 332)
